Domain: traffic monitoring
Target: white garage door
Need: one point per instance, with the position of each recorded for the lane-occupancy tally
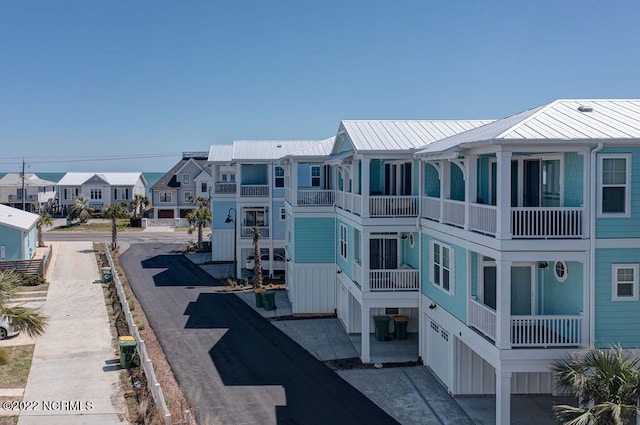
(438, 356)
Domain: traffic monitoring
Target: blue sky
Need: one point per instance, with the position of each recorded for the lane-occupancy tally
(151, 79)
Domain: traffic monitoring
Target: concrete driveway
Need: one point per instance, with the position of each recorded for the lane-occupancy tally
(232, 364)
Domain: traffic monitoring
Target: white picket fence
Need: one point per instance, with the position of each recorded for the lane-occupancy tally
(152, 383)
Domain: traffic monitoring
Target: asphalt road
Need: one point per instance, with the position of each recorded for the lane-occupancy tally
(128, 237)
(232, 364)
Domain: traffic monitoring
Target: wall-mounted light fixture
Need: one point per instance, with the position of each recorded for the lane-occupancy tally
(432, 306)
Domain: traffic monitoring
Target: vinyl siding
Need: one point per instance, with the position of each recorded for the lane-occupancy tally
(483, 172)
(616, 321)
(346, 266)
(562, 297)
(219, 214)
(11, 239)
(573, 179)
(377, 176)
(431, 181)
(411, 256)
(457, 183)
(254, 174)
(278, 227)
(314, 240)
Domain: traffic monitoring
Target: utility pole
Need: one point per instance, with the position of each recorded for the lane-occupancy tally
(23, 194)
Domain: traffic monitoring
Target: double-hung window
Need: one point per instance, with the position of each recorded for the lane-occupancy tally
(165, 196)
(315, 176)
(614, 194)
(624, 279)
(442, 266)
(343, 241)
(279, 177)
(95, 193)
(185, 178)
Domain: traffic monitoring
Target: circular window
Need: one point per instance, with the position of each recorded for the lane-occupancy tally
(560, 271)
(411, 240)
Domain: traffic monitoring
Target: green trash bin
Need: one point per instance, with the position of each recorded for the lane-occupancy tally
(382, 327)
(259, 298)
(105, 272)
(127, 345)
(400, 327)
(269, 298)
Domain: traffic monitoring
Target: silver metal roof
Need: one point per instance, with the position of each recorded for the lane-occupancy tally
(318, 150)
(220, 153)
(18, 219)
(30, 179)
(563, 120)
(268, 150)
(399, 135)
(113, 179)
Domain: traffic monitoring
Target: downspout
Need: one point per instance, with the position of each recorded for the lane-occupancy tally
(592, 246)
(419, 232)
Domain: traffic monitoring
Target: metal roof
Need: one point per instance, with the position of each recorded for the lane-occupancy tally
(113, 179)
(318, 150)
(400, 135)
(30, 179)
(268, 150)
(18, 219)
(220, 153)
(562, 120)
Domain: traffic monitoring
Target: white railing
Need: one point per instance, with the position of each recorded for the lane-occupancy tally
(225, 187)
(453, 212)
(556, 222)
(482, 318)
(254, 190)
(152, 382)
(431, 208)
(315, 197)
(356, 204)
(246, 232)
(546, 331)
(357, 274)
(394, 280)
(483, 218)
(393, 206)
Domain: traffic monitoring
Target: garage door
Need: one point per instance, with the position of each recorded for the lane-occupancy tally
(438, 356)
(165, 213)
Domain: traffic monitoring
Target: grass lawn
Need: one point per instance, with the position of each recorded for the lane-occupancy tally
(99, 226)
(42, 287)
(14, 374)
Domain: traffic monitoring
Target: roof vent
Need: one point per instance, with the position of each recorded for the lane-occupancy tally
(583, 108)
(278, 146)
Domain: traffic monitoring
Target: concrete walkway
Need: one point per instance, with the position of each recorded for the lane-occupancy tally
(74, 377)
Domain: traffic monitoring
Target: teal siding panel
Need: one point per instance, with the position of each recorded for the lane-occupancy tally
(30, 243)
(377, 176)
(431, 181)
(561, 297)
(411, 255)
(616, 321)
(573, 179)
(415, 168)
(457, 183)
(455, 304)
(11, 239)
(483, 180)
(220, 211)
(474, 273)
(624, 227)
(314, 240)
(278, 227)
(345, 265)
(254, 174)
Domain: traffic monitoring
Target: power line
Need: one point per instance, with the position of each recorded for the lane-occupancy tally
(67, 159)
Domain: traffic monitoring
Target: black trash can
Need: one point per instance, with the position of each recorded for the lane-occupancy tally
(259, 298)
(269, 299)
(382, 327)
(400, 327)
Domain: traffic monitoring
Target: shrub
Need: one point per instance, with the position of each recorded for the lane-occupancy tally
(135, 222)
(30, 279)
(4, 356)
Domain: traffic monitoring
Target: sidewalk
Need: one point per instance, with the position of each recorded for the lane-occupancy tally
(73, 378)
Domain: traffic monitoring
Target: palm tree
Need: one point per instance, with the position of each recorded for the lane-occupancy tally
(114, 212)
(44, 219)
(257, 261)
(197, 220)
(606, 384)
(199, 201)
(138, 203)
(25, 319)
(80, 209)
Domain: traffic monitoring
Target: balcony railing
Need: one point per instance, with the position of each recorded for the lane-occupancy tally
(314, 197)
(546, 331)
(546, 223)
(431, 208)
(453, 213)
(246, 232)
(482, 318)
(19, 198)
(254, 190)
(394, 280)
(483, 218)
(223, 187)
(393, 206)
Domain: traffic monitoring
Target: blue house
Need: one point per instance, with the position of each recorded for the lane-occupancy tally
(17, 234)
(530, 245)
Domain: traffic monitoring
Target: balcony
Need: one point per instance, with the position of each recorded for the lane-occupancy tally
(246, 232)
(378, 206)
(14, 198)
(254, 191)
(393, 280)
(530, 331)
(314, 198)
(225, 188)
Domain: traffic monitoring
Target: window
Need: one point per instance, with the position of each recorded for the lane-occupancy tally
(95, 193)
(343, 241)
(442, 266)
(224, 178)
(165, 196)
(283, 214)
(185, 178)
(121, 193)
(254, 217)
(356, 246)
(203, 187)
(187, 197)
(560, 271)
(391, 310)
(614, 184)
(279, 177)
(315, 176)
(625, 282)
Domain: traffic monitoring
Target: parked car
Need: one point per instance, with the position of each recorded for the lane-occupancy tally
(278, 262)
(6, 329)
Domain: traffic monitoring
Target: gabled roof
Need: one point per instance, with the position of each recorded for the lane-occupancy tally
(401, 135)
(31, 179)
(221, 153)
(582, 120)
(18, 219)
(169, 181)
(268, 150)
(112, 179)
(319, 150)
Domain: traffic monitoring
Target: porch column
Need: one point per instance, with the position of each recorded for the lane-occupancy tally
(503, 225)
(365, 260)
(445, 186)
(238, 180)
(366, 335)
(366, 186)
(293, 184)
(470, 189)
(214, 177)
(503, 397)
(503, 303)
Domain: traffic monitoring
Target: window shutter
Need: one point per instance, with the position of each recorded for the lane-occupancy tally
(126, 193)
